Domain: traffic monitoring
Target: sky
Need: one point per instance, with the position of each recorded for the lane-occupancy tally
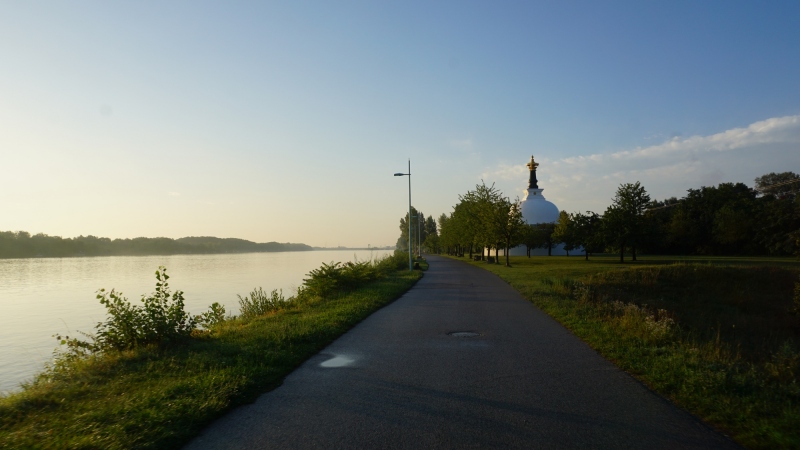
(285, 121)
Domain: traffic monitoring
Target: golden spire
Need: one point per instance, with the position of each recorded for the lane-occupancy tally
(532, 165)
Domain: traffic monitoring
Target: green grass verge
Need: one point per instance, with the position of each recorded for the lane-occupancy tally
(160, 398)
(717, 336)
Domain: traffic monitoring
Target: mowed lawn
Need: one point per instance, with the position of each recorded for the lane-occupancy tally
(717, 336)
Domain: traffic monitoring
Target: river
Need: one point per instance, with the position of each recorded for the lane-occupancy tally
(41, 297)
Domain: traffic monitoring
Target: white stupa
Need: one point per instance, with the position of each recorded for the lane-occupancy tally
(536, 209)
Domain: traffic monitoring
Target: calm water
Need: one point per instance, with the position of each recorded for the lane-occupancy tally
(45, 296)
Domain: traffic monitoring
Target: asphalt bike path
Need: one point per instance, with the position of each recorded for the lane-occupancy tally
(462, 360)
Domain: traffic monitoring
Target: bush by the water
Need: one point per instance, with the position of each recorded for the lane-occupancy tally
(161, 319)
(337, 276)
(260, 303)
(213, 317)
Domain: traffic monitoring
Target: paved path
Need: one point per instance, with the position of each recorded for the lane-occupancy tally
(399, 380)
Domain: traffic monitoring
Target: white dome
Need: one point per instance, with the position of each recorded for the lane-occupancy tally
(535, 209)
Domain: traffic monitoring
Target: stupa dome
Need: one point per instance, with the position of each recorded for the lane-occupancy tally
(535, 208)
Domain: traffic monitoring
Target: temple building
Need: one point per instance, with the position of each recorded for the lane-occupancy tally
(536, 209)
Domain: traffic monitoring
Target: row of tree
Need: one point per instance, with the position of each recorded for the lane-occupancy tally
(423, 229)
(728, 219)
(22, 244)
(483, 218)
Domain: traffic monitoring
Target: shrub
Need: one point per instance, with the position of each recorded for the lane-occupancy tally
(397, 261)
(564, 286)
(259, 303)
(214, 316)
(160, 319)
(650, 325)
(340, 277)
(333, 277)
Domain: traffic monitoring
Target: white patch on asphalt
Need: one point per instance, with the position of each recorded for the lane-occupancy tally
(337, 361)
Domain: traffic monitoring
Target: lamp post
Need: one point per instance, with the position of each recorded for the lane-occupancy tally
(410, 263)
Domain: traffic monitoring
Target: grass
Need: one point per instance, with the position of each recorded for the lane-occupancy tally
(159, 398)
(716, 336)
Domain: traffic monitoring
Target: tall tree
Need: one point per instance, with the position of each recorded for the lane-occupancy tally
(402, 241)
(530, 238)
(587, 232)
(509, 224)
(778, 225)
(626, 218)
(781, 185)
(430, 226)
(564, 231)
(544, 235)
(698, 222)
(447, 238)
(465, 226)
(431, 236)
(481, 205)
(615, 230)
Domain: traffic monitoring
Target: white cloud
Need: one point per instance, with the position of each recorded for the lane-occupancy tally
(506, 172)
(667, 169)
(461, 144)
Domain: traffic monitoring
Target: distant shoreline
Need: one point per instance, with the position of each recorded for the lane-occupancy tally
(21, 244)
(314, 249)
(353, 248)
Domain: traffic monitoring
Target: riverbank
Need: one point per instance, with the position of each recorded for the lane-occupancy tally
(159, 397)
(717, 338)
(22, 244)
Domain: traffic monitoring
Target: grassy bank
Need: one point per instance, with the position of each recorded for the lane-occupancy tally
(161, 396)
(716, 337)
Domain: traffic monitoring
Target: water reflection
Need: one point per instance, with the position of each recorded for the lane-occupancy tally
(337, 361)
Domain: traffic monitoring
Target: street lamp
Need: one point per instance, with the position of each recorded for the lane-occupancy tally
(410, 264)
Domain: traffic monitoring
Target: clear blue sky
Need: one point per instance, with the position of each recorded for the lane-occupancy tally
(285, 121)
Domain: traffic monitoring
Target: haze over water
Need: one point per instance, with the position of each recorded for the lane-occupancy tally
(40, 297)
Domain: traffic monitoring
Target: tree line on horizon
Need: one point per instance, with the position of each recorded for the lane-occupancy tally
(728, 219)
(21, 244)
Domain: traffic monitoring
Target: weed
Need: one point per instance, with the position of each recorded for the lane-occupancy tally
(260, 303)
(784, 365)
(213, 317)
